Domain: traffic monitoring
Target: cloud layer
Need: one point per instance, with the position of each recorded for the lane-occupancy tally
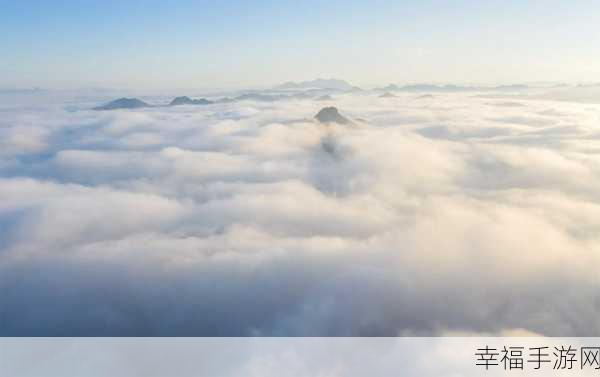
(428, 215)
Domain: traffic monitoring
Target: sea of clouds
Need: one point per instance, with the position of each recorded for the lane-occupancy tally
(452, 214)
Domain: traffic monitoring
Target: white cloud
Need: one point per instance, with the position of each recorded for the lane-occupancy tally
(454, 214)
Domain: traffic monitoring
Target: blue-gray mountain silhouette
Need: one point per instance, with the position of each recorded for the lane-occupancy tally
(184, 100)
(331, 115)
(318, 83)
(391, 87)
(453, 88)
(123, 103)
(387, 95)
(326, 97)
(259, 97)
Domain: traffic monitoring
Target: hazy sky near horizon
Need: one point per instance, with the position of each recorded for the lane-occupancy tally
(158, 44)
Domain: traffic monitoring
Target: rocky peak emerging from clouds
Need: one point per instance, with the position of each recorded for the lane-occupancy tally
(331, 115)
(123, 103)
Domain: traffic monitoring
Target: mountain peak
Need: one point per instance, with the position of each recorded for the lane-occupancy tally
(184, 100)
(123, 103)
(331, 115)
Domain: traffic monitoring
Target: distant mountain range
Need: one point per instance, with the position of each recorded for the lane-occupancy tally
(451, 88)
(134, 103)
(338, 84)
(321, 89)
(188, 101)
(335, 84)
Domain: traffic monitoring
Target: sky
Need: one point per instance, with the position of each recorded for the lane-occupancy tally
(158, 44)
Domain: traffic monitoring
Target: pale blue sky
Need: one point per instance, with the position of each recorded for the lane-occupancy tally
(160, 44)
